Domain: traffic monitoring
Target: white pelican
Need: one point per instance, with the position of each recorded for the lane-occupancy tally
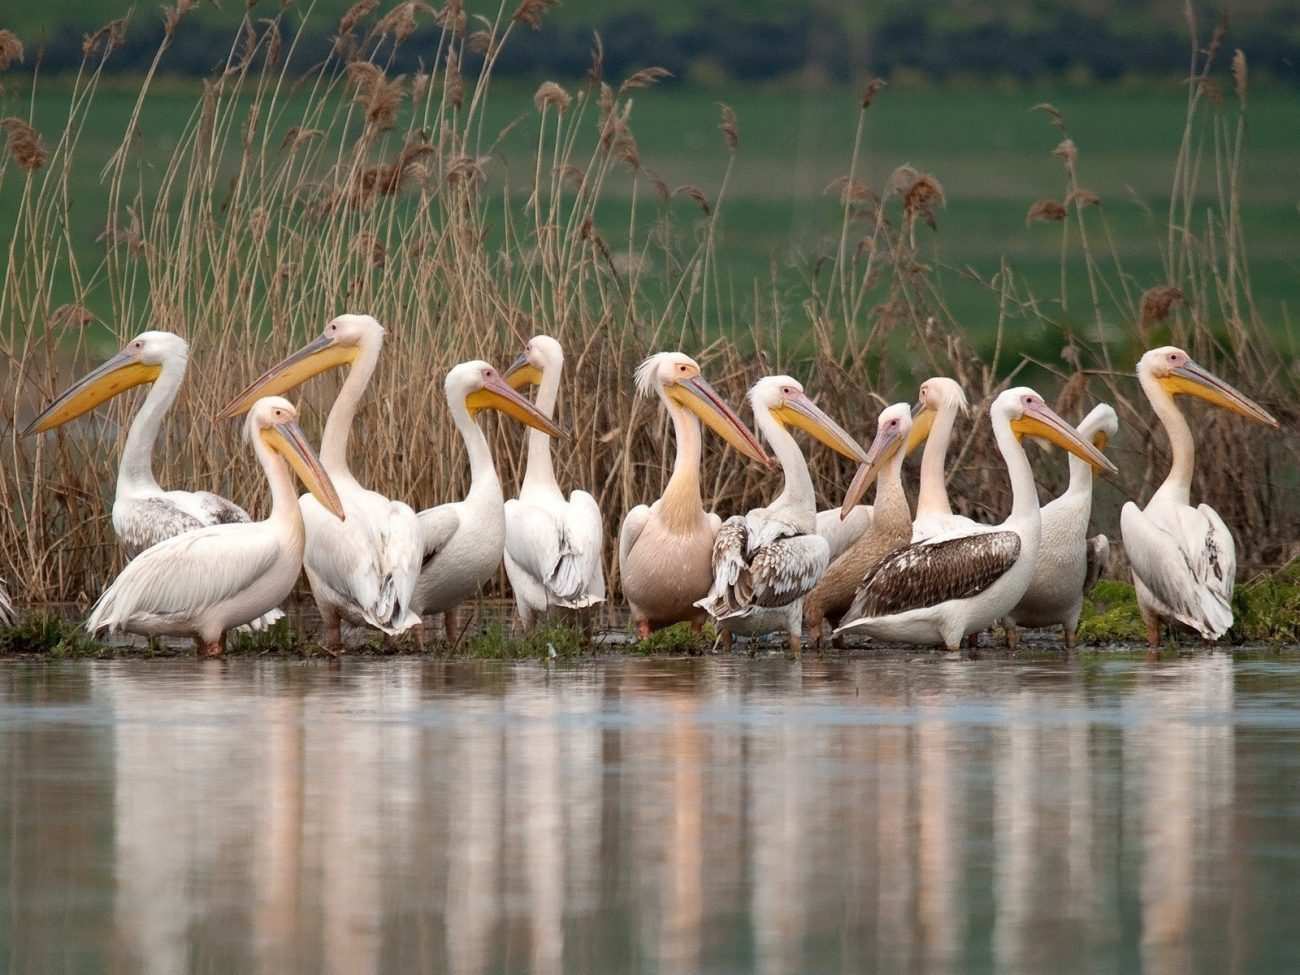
(1183, 559)
(6, 608)
(938, 403)
(891, 523)
(464, 541)
(143, 513)
(206, 581)
(665, 550)
(361, 570)
(1068, 561)
(765, 562)
(948, 586)
(842, 530)
(554, 545)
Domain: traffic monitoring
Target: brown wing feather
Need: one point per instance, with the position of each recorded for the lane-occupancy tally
(927, 574)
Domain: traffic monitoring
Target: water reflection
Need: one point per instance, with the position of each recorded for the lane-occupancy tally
(660, 816)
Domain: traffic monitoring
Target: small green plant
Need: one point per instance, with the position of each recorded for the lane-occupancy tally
(281, 637)
(1110, 614)
(549, 641)
(677, 639)
(52, 635)
(1268, 608)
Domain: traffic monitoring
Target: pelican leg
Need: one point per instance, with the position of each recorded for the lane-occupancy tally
(1069, 638)
(643, 629)
(1013, 635)
(418, 631)
(451, 623)
(1153, 632)
(212, 648)
(333, 639)
(725, 636)
(796, 645)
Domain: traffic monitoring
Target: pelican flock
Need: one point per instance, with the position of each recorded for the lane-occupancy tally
(201, 567)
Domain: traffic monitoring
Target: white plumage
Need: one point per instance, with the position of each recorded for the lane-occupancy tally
(553, 545)
(209, 580)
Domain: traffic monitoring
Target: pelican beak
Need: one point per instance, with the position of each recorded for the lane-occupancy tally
(523, 373)
(496, 394)
(700, 398)
(885, 446)
(287, 440)
(312, 359)
(1041, 421)
(1100, 439)
(922, 420)
(1195, 381)
(801, 412)
(115, 376)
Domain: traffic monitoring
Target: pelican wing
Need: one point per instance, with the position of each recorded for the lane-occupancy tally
(218, 510)
(141, 523)
(840, 534)
(437, 526)
(762, 565)
(558, 548)
(925, 574)
(6, 608)
(179, 578)
(634, 523)
(1186, 561)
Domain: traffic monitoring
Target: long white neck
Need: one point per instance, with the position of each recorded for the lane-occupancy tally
(285, 513)
(1024, 494)
(681, 506)
(1177, 485)
(539, 472)
(135, 472)
(933, 496)
(889, 485)
(797, 490)
(482, 471)
(338, 425)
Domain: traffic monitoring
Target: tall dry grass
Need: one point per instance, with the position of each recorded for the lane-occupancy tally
(385, 195)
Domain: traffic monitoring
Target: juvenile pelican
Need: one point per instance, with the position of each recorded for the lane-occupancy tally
(362, 570)
(554, 546)
(1184, 560)
(765, 562)
(143, 513)
(203, 582)
(463, 542)
(943, 588)
(891, 525)
(1068, 561)
(665, 549)
(938, 403)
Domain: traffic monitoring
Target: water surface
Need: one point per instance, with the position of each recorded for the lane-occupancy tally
(897, 814)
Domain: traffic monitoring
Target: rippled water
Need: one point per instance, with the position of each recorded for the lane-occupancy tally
(693, 816)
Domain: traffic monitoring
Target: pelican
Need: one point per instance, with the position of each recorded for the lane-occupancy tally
(463, 542)
(1183, 559)
(665, 549)
(1068, 561)
(765, 562)
(205, 581)
(553, 544)
(938, 403)
(950, 585)
(6, 608)
(143, 513)
(842, 530)
(891, 523)
(361, 570)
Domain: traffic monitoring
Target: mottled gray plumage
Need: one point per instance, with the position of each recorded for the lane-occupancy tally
(925, 574)
(6, 608)
(142, 523)
(767, 568)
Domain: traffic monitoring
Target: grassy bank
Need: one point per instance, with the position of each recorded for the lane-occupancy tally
(860, 242)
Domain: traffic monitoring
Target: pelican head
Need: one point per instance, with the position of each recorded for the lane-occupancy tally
(937, 394)
(1029, 416)
(340, 344)
(540, 354)
(784, 398)
(480, 387)
(275, 421)
(676, 378)
(1173, 370)
(1100, 425)
(893, 430)
(140, 361)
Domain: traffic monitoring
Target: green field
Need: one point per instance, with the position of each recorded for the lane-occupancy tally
(989, 150)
